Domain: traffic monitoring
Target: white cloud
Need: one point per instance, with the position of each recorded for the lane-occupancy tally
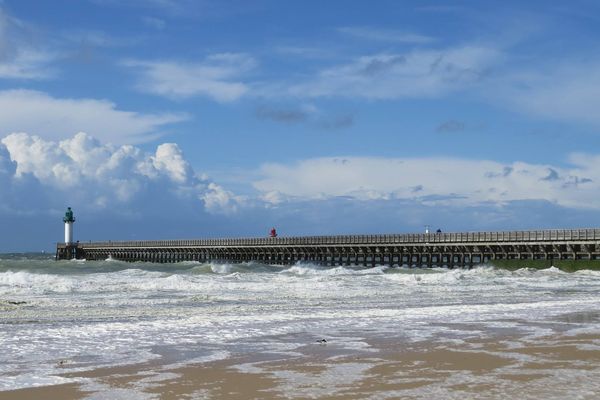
(419, 73)
(434, 180)
(220, 201)
(96, 176)
(27, 64)
(7, 171)
(551, 89)
(57, 118)
(557, 92)
(19, 58)
(274, 197)
(217, 76)
(169, 158)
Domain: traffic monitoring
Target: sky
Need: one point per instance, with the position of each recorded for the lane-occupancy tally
(170, 119)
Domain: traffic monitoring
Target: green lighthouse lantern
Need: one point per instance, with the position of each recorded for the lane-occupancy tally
(69, 216)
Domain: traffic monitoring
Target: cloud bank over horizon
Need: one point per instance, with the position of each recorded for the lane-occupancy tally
(436, 181)
(162, 196)
(101, 176)
(95, 177)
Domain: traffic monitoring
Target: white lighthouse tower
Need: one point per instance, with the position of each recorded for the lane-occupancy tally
(69, 220)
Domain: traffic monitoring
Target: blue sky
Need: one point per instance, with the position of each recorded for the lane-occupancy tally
(181, 119)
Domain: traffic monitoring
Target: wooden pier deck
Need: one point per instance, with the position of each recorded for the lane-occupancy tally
(418, 250)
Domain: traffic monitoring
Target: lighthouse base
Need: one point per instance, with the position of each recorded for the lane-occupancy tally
(68, 251)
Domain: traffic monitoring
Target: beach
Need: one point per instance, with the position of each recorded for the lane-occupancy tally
(551, 367)
(125, 331)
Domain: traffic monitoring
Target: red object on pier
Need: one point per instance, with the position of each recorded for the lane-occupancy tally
(273, 233)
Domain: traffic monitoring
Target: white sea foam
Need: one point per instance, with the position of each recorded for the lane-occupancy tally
(322, 384)
(25, 282)
(221, 268)
(32, 379)
(106, 313)
(316, 270)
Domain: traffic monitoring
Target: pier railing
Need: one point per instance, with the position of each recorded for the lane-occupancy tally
(554, 235)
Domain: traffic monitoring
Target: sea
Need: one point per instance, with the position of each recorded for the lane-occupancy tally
(61, 318)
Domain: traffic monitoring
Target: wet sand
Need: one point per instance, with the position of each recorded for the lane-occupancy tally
(497, 365)
(67, 391)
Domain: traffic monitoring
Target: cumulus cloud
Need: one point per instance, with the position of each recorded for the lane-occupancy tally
(218, 200)
(110, 184)
(419, 73)
(433, 181)
(218, 76)
(57, 118)
(7, 171)
(7, 167)
(97, 176)
(169, 158)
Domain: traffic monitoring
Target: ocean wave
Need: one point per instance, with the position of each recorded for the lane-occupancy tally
(40, 277)
(116, 312)
(25, 282)
(309, 269)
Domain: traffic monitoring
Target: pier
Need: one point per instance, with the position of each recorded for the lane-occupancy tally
(414, 250)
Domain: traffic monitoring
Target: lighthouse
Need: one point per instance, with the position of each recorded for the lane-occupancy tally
(69, 220)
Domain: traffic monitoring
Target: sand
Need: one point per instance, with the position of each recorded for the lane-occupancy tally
(497, 367)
